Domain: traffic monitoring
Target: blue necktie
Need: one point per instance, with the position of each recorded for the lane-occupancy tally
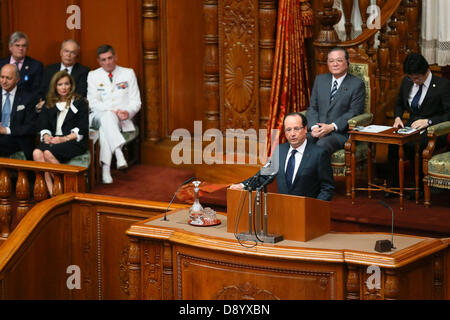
(6, 111)
(290, 168)
(416, 99)
(333, 90)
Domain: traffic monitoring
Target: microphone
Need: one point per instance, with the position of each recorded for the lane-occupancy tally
(173, 198)
(386, 245)
(266, 172)
(252, 181)
(269, 180)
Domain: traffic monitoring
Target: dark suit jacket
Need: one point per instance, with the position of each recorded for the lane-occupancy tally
(23, 122)
(79, 74)
(348, 102)
(435, 106)
(80, 120)
(314, 177)
(30, 75)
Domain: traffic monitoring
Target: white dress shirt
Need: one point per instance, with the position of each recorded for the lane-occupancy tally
(63, 67)
(12, 94)
(298, 158)
(416, 87)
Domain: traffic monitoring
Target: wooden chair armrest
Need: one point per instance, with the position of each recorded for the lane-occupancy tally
(433, 132)
(360, 120)
(439, 129)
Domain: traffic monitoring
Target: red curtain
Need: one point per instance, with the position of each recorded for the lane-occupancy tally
(290, 83)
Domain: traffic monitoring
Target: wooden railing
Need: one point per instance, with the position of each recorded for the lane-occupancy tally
(384, 47)
(73, 246)
(66, 179)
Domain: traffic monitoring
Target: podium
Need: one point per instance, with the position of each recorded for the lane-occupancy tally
(294, 217)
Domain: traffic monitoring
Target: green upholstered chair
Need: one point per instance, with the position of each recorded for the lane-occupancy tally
(19, 155)
(436, 166)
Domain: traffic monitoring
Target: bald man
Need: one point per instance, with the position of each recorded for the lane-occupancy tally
(18, 123)
(70, 50)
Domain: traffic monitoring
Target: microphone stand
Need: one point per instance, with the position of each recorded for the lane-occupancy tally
(386, 245)
(173, 198)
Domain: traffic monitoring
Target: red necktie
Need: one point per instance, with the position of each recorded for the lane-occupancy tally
(110, 75)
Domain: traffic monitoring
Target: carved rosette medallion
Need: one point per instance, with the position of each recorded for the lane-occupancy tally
(238, 54)
(239, 78)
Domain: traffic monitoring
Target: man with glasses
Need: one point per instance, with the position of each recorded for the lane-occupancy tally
(70, 50)
(303, 169)
(426, 98)
(336, 97)
(30, 70)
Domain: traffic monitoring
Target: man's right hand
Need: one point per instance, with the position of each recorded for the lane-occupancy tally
(39, 105)
(237, 186)
(398, 123)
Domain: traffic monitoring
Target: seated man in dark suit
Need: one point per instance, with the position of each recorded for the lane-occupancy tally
(29, 68)
(426, 97)
(70, 50)
(18, 126)
(304, 168)
(336, 97)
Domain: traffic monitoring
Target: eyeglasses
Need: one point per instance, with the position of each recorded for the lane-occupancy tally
(294, 129)
(336, 60)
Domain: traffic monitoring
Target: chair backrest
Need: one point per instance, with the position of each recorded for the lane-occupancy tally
(361, 70)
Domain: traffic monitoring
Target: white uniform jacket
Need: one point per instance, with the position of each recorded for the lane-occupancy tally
(122, 93)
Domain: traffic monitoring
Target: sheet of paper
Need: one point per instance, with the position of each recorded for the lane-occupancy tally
(374, 128)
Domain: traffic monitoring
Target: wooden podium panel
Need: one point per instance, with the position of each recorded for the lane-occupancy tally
(174, 260)
(295, 218)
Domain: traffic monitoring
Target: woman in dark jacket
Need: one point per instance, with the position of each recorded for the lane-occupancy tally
(63, 123)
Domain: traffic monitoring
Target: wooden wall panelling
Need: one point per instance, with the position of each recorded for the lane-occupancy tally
(206, 275)
(117, 23)
(4, 27)
(211, 64)
(113, 255)
(151, 255)
(447, 267)
(134, 270)
(103, 21)
(183, 63)
(152, 69)
(39, 270)
(85, 250)
(267, 33)
(62, 232)
(239, 64)
(28, 16)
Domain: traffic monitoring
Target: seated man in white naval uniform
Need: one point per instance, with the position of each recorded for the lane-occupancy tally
(114, 100)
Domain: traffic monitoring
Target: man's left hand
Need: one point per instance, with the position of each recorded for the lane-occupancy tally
(122, 115)
(323, 130)
(3, 130)
(420, 124)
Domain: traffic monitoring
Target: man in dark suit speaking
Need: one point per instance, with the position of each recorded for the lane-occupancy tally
(70, 49)
(18, 126)
(336, 97)
(304, 169)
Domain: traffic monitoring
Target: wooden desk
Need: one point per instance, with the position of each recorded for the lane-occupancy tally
(173, 260)
(387, 137)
